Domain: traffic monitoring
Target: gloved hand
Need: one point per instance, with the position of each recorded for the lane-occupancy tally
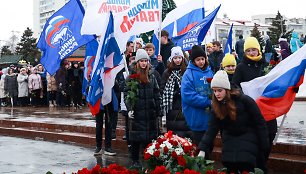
(131, 114)
(201, 154)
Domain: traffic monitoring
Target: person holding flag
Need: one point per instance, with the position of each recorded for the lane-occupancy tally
(249, 68)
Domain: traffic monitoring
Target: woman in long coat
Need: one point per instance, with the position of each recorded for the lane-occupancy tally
(35, 87)
(171, 94)
(23, 88)
(243, 128)
(11, 86)
(144, 108)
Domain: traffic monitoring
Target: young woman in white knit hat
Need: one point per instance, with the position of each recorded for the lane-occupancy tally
(243, 128)
(142, 100)
(171, 93)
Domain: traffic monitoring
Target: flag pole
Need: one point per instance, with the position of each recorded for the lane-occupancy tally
(160, 22)
(280, 129)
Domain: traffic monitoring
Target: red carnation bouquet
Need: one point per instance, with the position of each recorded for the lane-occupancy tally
(174, 153)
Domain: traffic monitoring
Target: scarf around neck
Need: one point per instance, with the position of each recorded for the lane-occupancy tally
(168, 92)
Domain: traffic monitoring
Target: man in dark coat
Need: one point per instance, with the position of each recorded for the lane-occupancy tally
(216, 57)
(239, 47)
(166, 46)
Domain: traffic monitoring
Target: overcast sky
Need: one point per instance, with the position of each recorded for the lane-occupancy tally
(17, 15)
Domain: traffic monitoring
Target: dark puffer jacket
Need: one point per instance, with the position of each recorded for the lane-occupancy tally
(144, 125)
(175, 120)
(241, 139)
(248, 70)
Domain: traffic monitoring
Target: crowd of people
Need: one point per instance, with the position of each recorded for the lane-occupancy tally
(27, 85)
(198, 91)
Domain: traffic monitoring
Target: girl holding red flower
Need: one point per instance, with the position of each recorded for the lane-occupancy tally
(196, 93)
(143, 104)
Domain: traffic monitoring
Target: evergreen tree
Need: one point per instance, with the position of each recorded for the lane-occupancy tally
(278, 28)
(27, 46)
(256, 33)
(5, 50)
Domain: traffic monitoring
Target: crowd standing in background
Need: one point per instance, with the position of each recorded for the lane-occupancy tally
(27, 85)
(188, 89)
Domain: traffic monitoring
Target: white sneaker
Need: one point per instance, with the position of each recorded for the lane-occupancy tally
(98, 151)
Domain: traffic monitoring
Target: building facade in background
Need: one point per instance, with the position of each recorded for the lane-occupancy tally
(43, 10)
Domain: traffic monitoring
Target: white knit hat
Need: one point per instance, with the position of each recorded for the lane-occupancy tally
(140, 41)
(141, 54)
(220, 80)
(176, 51)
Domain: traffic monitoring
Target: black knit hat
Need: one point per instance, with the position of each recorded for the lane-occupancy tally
(197, 51)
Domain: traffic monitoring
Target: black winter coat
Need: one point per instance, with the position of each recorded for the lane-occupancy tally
(175, 120)
(248, 70)
(165, 51)
(144, 125)
(241, 139)
(215, 60)
(61, 78)
(11, 85)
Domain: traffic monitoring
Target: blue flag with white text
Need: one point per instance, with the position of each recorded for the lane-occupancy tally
(229, 44)
(180, 20)
(61, 35)
(196, 34)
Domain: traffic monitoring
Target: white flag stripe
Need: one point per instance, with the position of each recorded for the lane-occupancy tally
(108, 82)
(256, 87)
(182, 10)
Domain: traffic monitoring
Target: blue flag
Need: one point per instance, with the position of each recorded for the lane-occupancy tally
(109, 64)
(197, 33)
(90, 55)
(180, 20)
(61, 35)
(229, 44)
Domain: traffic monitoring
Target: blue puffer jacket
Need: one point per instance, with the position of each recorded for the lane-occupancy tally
(195, 93)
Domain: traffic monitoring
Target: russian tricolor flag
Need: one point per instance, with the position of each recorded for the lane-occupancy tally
(274, 92)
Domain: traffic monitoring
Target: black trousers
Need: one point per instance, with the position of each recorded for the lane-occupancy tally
(99, 129)
(125, 114)
(137, 146)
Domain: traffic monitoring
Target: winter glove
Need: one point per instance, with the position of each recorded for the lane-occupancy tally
(201, 154)
(131, 114)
